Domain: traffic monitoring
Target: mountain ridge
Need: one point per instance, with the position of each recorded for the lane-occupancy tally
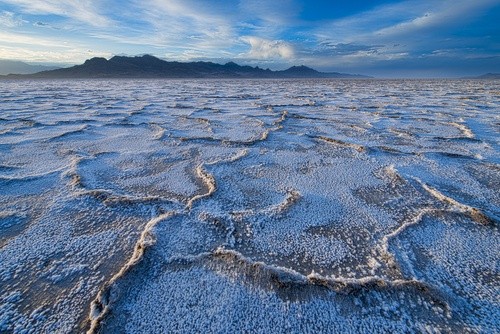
(8, 66)
(488, 76)
(148, 66)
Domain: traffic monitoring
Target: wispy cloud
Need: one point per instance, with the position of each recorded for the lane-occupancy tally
(10, 20)
(399, 19)
(445, 14)
(85, 11)
(10, 38)
(342, 49)
(45, 49)
(187, 25)
(36, 48)
(275, 13)
(395, 31)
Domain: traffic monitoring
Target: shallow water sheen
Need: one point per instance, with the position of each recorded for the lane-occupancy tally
(249, 205)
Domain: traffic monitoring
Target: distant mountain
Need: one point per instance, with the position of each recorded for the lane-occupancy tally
(489, 76)
(151, 67)
(18, 67)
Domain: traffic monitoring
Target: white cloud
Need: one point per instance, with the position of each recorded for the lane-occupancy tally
(449, 13)
(66, 55)
(85, 11)
(34, 48)
(277, 12)
(188, 25)
(261, 48)
(400, 20)
(403, 30)
(10, 20)
(9, 38)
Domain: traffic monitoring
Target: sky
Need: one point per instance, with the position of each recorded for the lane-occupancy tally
(384, 38)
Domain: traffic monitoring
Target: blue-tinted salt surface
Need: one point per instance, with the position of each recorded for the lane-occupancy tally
(249, 206)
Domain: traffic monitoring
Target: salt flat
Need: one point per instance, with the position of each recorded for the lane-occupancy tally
(272, 206)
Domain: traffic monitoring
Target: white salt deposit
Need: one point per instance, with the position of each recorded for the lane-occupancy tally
(274, 206)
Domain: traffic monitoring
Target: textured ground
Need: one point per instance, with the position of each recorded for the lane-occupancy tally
(249, 206)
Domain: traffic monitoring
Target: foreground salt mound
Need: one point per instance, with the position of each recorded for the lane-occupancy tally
(267, 206)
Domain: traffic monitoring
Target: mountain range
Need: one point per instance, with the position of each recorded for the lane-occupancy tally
(489, 76)
(19, 67)
(151, 67)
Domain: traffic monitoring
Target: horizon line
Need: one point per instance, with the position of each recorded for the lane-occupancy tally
(226, 62)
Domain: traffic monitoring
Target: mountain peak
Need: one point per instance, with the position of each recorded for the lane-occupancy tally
(301, 68)
(95, 60)
(231, 64)
(490, 76)
(303, 72)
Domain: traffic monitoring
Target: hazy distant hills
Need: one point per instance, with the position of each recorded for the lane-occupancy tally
(489, 76)
(151, 67)
(484, 76)
(18, 67)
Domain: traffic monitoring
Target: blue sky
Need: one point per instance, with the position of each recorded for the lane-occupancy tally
(385, 38)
